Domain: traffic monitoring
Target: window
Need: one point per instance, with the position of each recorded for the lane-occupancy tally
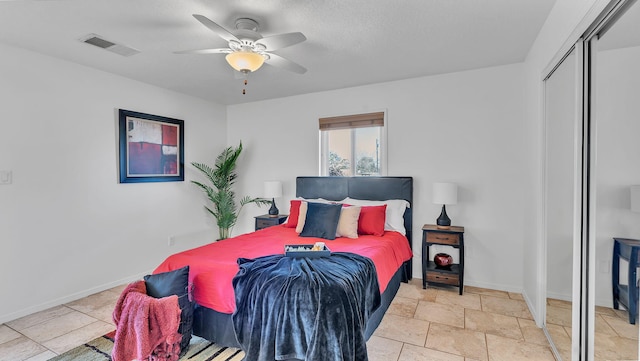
(353, 145)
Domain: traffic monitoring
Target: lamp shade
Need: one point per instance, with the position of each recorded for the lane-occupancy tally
(445, 193)
(245, 61)
(272, 189)
(635, 199)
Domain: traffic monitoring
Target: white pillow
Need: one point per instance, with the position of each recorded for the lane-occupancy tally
(394, 215)
(316, 200)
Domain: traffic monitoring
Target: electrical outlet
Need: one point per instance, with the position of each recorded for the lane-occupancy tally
(171, 241)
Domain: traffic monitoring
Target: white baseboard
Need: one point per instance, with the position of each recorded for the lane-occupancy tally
(69, 298)
(533, 311)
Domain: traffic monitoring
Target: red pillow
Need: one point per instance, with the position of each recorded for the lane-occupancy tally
(294, 210)
(372, 220)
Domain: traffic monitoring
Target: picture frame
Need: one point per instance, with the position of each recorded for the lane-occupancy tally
(151, 148)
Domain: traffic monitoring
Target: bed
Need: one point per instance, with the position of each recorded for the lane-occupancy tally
(214, 268)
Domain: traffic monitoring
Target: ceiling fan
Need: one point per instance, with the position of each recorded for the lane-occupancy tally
(248, 50)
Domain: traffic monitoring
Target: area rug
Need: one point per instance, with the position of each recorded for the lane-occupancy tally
(199, 350)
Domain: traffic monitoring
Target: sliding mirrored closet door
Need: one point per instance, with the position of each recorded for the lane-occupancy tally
(615, 167)
(605, 163)
(560, 174)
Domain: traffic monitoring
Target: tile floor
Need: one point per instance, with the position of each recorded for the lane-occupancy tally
(615, 337)
(431, 324)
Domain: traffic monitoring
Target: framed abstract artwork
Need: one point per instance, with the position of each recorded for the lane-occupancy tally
(151, 148)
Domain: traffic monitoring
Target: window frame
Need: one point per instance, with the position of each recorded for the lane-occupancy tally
(357, 121)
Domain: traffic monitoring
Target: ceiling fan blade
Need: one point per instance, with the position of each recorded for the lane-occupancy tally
(280, 41)
(205, 51)
(280, 62)
(222, 32)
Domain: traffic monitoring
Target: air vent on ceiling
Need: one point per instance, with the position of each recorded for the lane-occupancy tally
(100, 42)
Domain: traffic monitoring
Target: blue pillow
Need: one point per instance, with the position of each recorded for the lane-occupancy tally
(175, 283)
(321, 220)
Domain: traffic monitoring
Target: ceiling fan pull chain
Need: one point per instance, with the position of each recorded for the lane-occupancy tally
(243, 90)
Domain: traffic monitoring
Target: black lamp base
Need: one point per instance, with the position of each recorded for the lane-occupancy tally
(273, 211)
(443, 222)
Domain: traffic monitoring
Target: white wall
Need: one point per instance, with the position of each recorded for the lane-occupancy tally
(464, 127)
(617, 150)
(67, 227)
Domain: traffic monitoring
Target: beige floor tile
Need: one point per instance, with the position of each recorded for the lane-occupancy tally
(95, 302)
(486, 292)
(104, 313)
(559, 303)
(493, 323)
(78, 336)
(57, 326)
(45, 356)
(403, 329)
(608, 347)
(417, 353)
(532, 333)
(414, 290)
(561, 337)
(605, 311)
(383, 349)
(622, 313)
(7, 334)
(405, 307)
(466, 300)
(506, 349)
(457, 341)
(558, 315)
(20, 348)
(565, 355)
(437, 312)
(118, 289)
(622, 327)
(507, 307)
(516, 296)
(603, 327)
(38, 317)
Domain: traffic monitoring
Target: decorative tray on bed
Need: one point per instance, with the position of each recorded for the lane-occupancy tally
(307, 250)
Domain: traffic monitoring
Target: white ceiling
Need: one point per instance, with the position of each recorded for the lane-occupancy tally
(349, 42)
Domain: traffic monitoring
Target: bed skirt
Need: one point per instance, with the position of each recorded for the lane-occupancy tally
(218, 327)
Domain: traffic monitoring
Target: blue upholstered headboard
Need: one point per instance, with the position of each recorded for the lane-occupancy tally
(370, 188)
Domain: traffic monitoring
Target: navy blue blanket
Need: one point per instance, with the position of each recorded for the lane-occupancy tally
(305, 308)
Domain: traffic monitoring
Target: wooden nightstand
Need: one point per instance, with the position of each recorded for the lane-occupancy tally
(266, 220)
(452, 275)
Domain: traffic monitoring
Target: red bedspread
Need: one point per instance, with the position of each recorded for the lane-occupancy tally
(213, 266)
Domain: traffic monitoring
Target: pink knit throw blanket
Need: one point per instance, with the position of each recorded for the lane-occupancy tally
(146, 327)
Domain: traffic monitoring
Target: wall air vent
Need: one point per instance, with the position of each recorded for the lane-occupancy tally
(100, 42)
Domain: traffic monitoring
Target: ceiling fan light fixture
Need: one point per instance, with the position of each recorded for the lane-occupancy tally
(245, 61)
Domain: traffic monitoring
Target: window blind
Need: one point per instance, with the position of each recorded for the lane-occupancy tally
(352, 121)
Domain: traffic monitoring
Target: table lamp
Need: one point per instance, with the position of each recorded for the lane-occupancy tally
(444, 193)
(273, 190)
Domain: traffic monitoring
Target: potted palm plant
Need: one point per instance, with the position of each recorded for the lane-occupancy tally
(220, 192)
